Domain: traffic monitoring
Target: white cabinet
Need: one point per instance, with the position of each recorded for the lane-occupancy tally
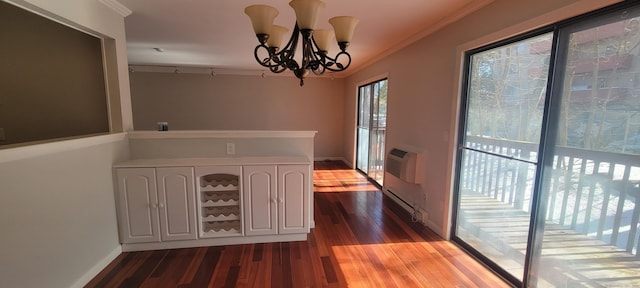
(219, 201)
(293, 198)
(156, 204)
(136, 195)
(261, 198)
(276, 199)
(176, 203)
(191, 202)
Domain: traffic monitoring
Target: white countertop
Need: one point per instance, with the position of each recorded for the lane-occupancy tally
(177, 162)
(186, 134)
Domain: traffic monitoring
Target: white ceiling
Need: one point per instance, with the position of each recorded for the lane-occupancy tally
(217, 34)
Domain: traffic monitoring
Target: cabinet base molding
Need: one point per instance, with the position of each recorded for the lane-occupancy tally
(202, 242)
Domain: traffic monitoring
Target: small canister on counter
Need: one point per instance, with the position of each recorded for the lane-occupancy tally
(163, 126)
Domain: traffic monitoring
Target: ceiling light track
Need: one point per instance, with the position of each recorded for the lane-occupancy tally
(185, 69)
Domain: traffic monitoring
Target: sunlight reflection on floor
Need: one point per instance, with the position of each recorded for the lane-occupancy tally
(344, 180)
(393, 265)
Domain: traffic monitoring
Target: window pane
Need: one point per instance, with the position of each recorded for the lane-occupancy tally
(507, 88)
(494, 210)
(365, 106)
(382, 107)
(363, 150)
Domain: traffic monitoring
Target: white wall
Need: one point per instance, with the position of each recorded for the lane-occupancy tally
(423, 98)
(237, 102)
(57, 211)
(57, 214)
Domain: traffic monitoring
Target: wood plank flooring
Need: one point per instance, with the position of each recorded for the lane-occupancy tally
(361, 239)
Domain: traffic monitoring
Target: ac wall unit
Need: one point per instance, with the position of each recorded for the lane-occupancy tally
(402, 164)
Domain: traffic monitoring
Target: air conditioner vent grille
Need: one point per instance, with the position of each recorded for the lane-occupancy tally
(402, 164)
(398, 152)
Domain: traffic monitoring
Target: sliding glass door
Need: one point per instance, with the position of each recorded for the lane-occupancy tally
(548, 174)
(372, 125)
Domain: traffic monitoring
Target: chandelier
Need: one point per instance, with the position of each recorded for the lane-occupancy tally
(315, 42)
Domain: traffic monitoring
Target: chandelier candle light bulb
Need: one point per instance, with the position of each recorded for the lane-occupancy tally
(315, 43)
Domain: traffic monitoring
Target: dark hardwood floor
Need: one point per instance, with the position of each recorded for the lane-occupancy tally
(361, 239)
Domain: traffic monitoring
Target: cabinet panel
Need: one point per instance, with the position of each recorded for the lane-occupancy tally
(136, 198)
(176, 206)
(260, 203)
(293, 195)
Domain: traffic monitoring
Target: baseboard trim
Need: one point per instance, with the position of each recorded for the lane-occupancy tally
(93, 271)
(425, 220)
(216, 241)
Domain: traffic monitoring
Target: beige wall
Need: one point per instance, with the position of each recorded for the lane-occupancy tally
(57, 209)
(234, 102)
(422, 101)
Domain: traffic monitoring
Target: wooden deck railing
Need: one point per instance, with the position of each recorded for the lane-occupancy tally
(591, 192)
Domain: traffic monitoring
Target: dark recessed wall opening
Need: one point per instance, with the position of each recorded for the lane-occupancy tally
(52, 80)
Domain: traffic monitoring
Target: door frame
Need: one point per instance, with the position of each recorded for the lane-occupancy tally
(369, 81)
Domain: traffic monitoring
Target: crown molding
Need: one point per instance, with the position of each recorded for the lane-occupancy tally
(471, 7)
(117, 7)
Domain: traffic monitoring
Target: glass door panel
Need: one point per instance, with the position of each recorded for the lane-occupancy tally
(498, 156)
(494, 211)
(372, 109)
(364, 117)
(590, 208)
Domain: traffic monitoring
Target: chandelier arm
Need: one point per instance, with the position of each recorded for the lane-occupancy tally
(307, 54)
(268, 62)
(318, 60)
(277, 69)
(280, 60)
(287, 54)
(338, 64)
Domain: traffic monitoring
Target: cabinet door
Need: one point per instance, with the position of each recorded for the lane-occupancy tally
(293, 198)
(137, 200)
(176, 203)
(260, 199)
